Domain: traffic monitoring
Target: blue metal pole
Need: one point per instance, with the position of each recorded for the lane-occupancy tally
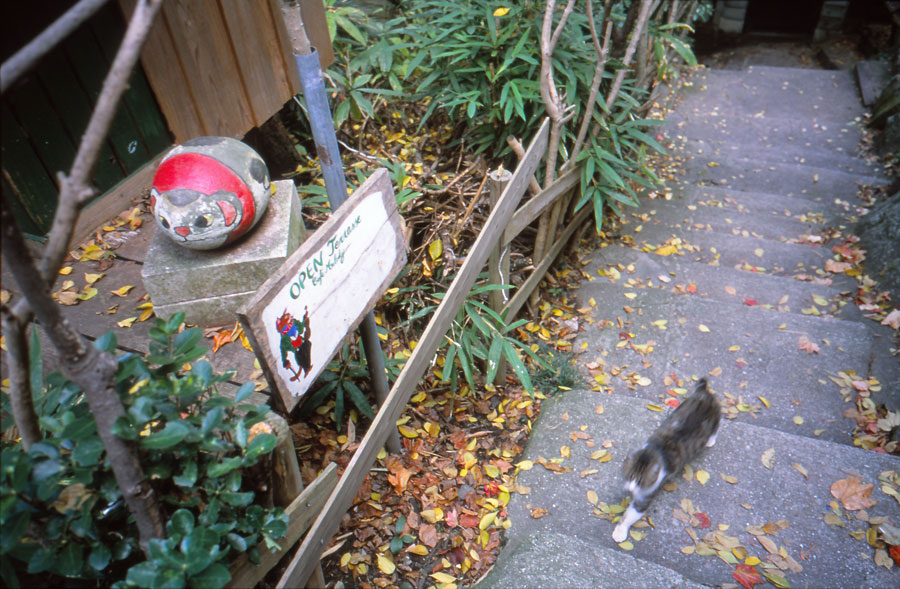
(322, 125)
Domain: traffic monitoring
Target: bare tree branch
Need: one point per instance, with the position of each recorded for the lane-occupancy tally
(17, 369)
(91, 369)
(636, 33)
(602, 56)
(25, 58)
(75, 189)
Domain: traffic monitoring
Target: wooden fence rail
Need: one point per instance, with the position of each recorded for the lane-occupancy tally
(503, 224)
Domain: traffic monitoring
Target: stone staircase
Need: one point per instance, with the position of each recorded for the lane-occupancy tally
(722, 281)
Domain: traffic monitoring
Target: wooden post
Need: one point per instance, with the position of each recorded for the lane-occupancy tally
(498, 265)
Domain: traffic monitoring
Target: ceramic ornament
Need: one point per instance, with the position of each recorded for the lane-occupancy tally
(209, 191)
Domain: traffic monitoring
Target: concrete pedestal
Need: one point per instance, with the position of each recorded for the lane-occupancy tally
(209, 286)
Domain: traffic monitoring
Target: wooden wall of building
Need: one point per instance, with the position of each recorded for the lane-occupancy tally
(218, 67)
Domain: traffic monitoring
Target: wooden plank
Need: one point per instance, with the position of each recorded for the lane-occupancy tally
(166, 74)
(536, 205)
(307, 556)
(283, 39)
(201, 40)
(255, 55)
(120, 197)
(301, 512)
(331, 281)
(523, 292)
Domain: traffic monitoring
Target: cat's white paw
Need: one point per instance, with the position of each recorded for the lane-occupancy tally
(620, 533)
(712, 440)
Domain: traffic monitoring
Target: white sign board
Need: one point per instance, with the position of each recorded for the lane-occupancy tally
(300, 316)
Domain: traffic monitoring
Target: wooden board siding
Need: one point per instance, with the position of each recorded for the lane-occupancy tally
(218, 67)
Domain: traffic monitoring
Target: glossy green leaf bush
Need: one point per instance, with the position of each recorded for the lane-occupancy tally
(62, 513)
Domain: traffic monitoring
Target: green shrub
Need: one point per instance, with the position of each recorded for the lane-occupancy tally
(62, 513)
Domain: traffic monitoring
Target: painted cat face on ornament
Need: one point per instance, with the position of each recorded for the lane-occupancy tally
(209, 191)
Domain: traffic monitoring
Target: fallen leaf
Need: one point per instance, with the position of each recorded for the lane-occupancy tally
(768, 544)
(127, 322)
(729, 479)
(882, 559)
(768, 458)
(538, 512)
(92, 278)
(892, 319)
(592, 497)
(121, 292)
(385, 565)
(703, 328)
(798, 420)
(502, 11)
(444, 578)
(758, 252)
(852, 494)
(730, 290)
(702, 477)
(428, 535)
(807, 346)
(800, 469)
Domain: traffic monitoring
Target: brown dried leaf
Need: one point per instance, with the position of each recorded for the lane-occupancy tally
(852, 494)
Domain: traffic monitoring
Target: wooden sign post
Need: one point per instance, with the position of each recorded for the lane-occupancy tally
(300, 316)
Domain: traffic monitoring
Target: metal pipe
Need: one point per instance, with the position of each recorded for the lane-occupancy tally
(322, 125)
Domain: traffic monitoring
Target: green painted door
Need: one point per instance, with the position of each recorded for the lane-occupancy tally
(46, 112)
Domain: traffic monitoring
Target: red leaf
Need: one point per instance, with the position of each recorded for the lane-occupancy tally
(691, 288)
(467, 520)
(750, 302)
(747, 576)
(673, 402)
(894, 552)
(451, 518)
(704, 520)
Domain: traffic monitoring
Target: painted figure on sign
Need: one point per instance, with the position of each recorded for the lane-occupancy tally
(209, 191)
(295, 340)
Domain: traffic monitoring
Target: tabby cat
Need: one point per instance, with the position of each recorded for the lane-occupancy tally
(677, 441)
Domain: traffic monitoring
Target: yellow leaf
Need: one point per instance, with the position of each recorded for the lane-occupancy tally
(70, 498)
(768, 458)
(345, 560)
(525, 465)
(385, 565)
(626, 545)
(758, 252)
(147, 311)
(418, 549)
(798, 420)
(121, 292)
(433, 516)
(800, 469)
(441, 577)
(408, 432)
(729, 479)
(702, 476)
(703, 328)
(713, 164)
(89, 293)
(65, 270)
(655, 408)
(501, 11)
(491, 470)
(734, 348)
(592, 497)
(435, 249)
(565, 452)
(764, 401)
(666, 250)
(127, 322)
(67, 297)
(599, 454)
(820, 301)
(92, 278)
(644, 381)
(487, 520)
(752, 561)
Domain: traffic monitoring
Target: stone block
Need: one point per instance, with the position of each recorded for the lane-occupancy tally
(209, 286)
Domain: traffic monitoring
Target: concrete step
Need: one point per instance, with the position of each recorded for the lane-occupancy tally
(545, 559)
(642, 332)
(763, 131)
(744, 252)
(785, 154)
(823, 185)
(828, 554)
(813, 95)
(762, 203)
(680, 276)
(695, 213)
